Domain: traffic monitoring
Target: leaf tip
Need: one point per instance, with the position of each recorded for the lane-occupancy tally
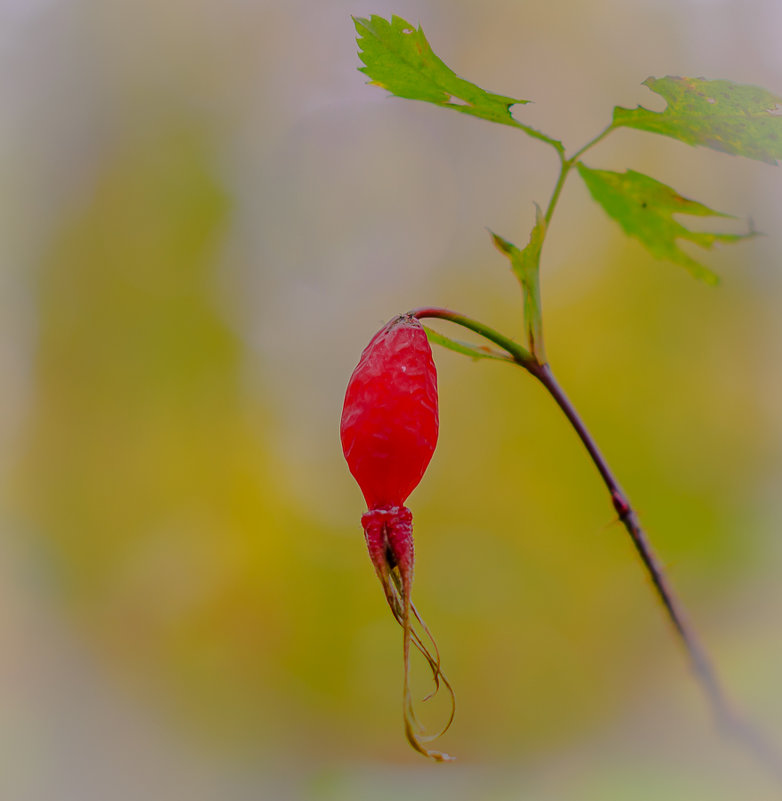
(505, 247)
(361, 24)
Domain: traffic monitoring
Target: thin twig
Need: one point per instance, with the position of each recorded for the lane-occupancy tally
(727, 718)
(700, 661)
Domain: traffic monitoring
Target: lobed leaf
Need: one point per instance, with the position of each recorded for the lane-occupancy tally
(733, 118)
(398, 58)
(645, 207)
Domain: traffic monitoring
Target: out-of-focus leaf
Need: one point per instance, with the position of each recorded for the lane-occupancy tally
(465, 348)
(525, 265)
(734, 118)
(645, 207)
(398, 58)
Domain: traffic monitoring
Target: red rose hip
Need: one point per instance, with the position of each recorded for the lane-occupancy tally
(389, 420)
(389, 432)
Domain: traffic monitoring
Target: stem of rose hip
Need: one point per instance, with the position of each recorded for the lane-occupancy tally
(566, 164)
(700, 662)
(726, 717)
(517, 352)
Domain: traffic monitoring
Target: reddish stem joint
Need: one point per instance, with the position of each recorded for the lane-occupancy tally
(620, 504)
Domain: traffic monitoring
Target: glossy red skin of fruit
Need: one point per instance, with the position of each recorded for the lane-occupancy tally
(390, 418)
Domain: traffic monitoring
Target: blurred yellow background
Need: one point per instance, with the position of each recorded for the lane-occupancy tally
(206, 215)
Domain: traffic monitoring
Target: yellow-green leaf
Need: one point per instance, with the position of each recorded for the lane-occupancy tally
(734, 118)
(645, 207)
(398, 58)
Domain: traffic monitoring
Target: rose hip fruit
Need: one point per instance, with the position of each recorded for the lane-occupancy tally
(389, 421)
(389, 432)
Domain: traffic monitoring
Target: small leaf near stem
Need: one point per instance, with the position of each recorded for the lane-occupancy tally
(465, 348)
(518, 353)
(525, 265)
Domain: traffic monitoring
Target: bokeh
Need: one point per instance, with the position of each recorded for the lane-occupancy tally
(206, 215)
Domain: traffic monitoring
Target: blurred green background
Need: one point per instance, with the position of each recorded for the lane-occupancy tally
(206, 215)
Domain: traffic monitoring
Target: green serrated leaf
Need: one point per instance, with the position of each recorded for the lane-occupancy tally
(399, 59)
(645, 207)
(465, 348)
(525, 265)
(734, 118)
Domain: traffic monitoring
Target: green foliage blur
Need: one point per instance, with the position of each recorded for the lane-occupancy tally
(209, 216)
